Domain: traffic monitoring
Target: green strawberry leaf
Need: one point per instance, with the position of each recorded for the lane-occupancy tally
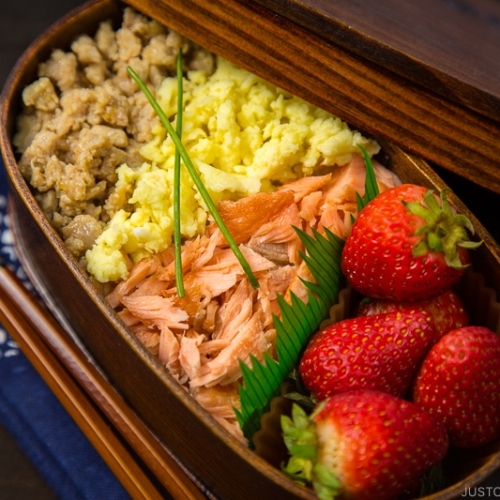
(443, 230)
(299, 435)
(326, 484)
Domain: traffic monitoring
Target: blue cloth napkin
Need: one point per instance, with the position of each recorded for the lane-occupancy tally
(31, 413)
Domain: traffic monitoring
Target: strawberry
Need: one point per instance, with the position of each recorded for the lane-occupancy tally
(447, 310)
(459, 382)
(406, 245)
(379, 352)
(362, 444)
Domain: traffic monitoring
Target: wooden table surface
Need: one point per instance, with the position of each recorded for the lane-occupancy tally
(20, 22)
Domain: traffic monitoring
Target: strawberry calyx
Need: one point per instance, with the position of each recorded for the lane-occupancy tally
(444, 231)
(299, 434)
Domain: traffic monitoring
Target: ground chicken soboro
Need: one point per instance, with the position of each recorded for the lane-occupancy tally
(85, 116)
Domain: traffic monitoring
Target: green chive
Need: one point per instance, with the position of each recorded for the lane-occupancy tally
(196, 179)
(179, 277)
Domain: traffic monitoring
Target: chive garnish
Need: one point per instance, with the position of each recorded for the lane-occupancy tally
(179, 277)
(196, 178)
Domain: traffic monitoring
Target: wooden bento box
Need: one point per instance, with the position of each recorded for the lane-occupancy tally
(225, 467)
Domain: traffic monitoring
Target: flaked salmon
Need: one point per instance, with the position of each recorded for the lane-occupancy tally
(201, 337)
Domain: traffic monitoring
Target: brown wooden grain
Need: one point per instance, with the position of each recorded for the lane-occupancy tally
(370, 96)
(448, 47)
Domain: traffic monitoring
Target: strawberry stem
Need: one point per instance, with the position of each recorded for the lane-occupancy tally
(443, 231)
(299, 434)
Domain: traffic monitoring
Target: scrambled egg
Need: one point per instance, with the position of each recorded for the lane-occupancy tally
(244, 135)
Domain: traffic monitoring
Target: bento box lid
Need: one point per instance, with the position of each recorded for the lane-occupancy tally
(442, 45)
(421, 74)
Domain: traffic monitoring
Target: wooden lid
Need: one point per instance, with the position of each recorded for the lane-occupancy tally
(448, 46)
(423, 74)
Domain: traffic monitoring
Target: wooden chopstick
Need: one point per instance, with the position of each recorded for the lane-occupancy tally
(77, 405)
(83, 391)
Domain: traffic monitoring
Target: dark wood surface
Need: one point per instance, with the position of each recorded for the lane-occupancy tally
(22, 20)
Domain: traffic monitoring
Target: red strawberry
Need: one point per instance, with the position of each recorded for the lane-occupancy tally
(447, 310)
(459, 381)
(362, 444)
(406, 246)
(379, 352)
